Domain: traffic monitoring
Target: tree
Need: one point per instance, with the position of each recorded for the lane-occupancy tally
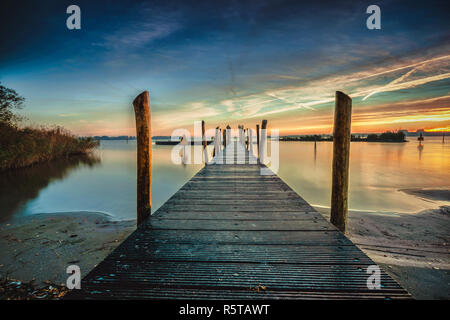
(10, 101)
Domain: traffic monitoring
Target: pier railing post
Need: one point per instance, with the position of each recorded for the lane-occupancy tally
(257, 140)
(216, 142)
(224, 134)
(205, 150)
(144, 156)
(262, 145)
(341, 160)
(250, 141)
(247, 139)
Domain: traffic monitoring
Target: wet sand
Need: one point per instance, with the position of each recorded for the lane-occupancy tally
(40, 247)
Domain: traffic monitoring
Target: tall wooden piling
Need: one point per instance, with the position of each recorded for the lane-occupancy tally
(144, 156)
(257, 140)
(341, 160)
(262, 147)
(224, 134)
(247, 138)
(250, 141)
(205, 150)
(216, 142)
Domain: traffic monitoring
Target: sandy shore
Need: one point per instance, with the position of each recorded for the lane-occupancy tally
(40, 247)
(413, 248)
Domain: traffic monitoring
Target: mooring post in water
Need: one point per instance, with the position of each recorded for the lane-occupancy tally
(205, 150)
(144, 156)
(262, 146)
(341, 160)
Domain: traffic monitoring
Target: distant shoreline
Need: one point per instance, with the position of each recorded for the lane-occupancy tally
(353, 140)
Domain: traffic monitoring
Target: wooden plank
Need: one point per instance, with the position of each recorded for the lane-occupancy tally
(250, 225)
(240, 276)
(248, 253)
(237, 215)
(102, 291)
(310, 238)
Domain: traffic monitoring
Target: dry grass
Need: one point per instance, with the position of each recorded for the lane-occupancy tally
(22, 147)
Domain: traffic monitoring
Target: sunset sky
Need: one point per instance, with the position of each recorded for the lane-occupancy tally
(228, 62)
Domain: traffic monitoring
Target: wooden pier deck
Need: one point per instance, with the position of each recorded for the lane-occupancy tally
(230, 233)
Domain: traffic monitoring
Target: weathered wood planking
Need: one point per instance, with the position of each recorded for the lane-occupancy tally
(227, 232)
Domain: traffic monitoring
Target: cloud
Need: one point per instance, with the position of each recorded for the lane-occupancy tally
(321, 91)
(139, 35)
(184, 115)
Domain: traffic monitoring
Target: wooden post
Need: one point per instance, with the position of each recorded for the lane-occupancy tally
(341, 160)
(257, 140)
(250, 141)
(245, 139)
(240, 133)
(262, 147)
(216, 142)
(224, 138)
(205, 151)
(144, 156)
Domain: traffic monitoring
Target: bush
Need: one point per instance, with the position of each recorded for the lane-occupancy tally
(21, 147)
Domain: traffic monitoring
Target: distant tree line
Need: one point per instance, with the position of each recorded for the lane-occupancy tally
(387, 136)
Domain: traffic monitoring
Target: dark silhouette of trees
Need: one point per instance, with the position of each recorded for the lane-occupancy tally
(387, 136)
(10, 101)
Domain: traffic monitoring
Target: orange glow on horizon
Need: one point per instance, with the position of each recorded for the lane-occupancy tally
(444, 129)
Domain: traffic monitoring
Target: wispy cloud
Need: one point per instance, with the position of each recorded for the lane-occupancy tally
(184, 115)
(363, 84)
(139, 35)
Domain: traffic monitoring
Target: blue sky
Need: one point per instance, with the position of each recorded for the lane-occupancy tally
(228, 62)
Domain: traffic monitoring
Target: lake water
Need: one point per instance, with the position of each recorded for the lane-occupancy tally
(107, 182)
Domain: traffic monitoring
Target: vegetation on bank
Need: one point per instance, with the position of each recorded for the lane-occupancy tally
(24, 146)
(387, 136)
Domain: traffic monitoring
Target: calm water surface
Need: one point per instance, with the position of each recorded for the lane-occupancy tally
(107, 183)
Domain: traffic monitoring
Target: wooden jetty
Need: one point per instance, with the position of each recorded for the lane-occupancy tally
(230, 233)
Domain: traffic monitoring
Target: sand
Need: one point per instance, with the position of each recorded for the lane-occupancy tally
(413, 248)
(40, 247)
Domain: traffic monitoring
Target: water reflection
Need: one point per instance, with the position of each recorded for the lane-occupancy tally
(420, 148)
(17, 187)
(377, 172)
